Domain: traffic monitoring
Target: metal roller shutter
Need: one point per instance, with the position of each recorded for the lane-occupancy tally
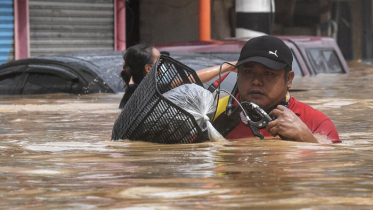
(6, 31)
(71, 26)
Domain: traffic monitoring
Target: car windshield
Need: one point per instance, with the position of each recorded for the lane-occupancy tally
(324, 61)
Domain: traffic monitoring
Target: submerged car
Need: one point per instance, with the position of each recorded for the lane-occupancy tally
(70, 73)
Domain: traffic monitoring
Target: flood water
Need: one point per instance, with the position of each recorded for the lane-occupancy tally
(56, 153)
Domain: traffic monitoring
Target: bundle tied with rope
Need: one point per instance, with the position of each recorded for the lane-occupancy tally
(200, 103)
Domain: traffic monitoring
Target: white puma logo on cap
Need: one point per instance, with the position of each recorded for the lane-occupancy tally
(274, 53)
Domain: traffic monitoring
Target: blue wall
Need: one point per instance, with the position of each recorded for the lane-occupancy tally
(6, 31)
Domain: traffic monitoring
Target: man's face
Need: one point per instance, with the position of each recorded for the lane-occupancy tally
(261, 85)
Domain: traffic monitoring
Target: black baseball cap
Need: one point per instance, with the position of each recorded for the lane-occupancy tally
(267, 50)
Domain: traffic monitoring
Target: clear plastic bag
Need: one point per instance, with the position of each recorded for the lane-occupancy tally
(199, 102)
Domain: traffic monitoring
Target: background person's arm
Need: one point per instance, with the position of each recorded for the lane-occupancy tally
(208, 74)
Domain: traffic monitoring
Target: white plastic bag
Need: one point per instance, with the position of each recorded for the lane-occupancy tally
(199, 102)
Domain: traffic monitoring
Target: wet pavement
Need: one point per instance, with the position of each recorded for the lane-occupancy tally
(56, 153)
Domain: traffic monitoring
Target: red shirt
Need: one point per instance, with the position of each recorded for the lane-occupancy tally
(315, 120)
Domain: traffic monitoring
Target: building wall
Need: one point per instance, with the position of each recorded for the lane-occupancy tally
(357, 20)
(222, 19)
(165, 21)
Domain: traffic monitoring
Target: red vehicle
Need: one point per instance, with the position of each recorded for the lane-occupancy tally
(312, 55)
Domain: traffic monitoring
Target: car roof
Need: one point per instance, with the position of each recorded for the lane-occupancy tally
(107, 65)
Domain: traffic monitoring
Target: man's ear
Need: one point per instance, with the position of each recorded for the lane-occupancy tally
(290, 78)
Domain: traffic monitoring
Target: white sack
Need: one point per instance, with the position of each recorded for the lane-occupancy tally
(199, 102)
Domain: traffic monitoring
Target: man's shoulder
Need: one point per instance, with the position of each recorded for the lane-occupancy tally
(315, 120)
(305, 110)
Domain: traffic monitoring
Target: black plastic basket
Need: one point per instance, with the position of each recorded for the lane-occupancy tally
(149, 116)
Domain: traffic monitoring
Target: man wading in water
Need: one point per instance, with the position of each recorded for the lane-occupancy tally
(264, 78)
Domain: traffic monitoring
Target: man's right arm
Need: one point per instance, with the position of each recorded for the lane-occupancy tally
(288, 125)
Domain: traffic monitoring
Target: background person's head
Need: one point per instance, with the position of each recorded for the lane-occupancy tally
(138, 60)
(264, 71)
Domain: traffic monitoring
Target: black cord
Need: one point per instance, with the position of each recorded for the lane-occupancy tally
(217, 96)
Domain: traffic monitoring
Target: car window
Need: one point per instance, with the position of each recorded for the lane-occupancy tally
(324, 61)
(11, 79)
(49, 78)
(8, 83)
(40, 83)
(50, 68)
(94, 83)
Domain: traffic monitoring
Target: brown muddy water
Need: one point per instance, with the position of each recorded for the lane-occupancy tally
(56, 153)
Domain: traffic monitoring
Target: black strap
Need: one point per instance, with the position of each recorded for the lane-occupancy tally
(225, 124)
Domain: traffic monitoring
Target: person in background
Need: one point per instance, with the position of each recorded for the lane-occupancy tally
(138, 61)
(264, 78)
